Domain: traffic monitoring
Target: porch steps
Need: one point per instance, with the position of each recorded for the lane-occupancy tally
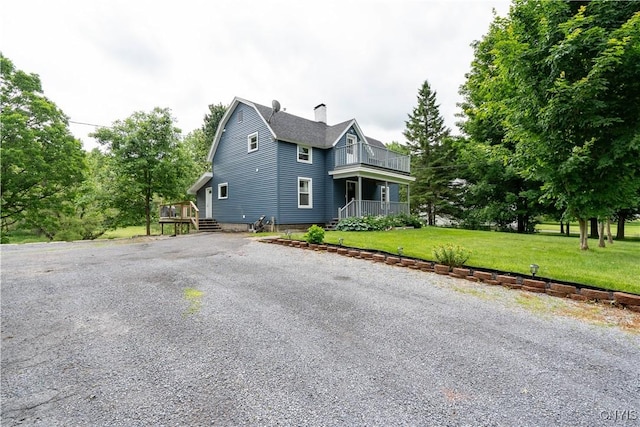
(332, 225)
(208, 225)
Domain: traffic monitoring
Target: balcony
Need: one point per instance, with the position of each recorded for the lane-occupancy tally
(365, 154)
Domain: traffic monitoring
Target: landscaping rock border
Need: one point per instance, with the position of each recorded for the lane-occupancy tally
(509, 280)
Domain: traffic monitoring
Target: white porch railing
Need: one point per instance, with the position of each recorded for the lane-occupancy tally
(359, 208)
(361, 153)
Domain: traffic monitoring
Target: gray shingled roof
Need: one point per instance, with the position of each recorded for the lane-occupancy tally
(290, 128)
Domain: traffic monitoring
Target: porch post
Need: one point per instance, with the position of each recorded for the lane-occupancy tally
(385, 203)
(359, 195)
(408, 200)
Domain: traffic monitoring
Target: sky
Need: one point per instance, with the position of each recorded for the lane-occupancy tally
(102, 60)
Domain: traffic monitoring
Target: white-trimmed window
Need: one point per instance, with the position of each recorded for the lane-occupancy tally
(384, 193)
(223, 190)
(252, 142)
(305, 193)
(305, 154)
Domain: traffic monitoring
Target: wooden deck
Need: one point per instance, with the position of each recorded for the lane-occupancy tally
(183, 216)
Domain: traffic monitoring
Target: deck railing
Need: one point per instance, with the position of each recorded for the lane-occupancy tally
(358, 208)
(361, 153)
(180, 212)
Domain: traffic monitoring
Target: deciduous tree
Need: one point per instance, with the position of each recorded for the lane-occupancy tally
(570, 74)
(148, 161)
(42, 163)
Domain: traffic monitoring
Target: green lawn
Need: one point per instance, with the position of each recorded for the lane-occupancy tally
(631, 229)
(137, 230)
(615, 267)
(26, 236)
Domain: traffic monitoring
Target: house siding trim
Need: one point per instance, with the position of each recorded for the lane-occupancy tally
(204, 178)
(365, 172)
(225, 119)
(250, 141)
(224, 185)
(359, 134)
(309, 154)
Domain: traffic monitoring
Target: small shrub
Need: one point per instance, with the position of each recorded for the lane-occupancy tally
(378, 223)
(315, 234)
(451, 255)
(354, 224)
(409, 220)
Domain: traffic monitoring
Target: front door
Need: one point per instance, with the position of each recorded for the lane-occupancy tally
(351, 149)
(208, 200)
(351, 192)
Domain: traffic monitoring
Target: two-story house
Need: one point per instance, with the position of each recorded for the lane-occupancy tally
(295, 170)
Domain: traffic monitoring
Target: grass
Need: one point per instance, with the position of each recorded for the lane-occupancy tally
(28, 236)
(616, 267)
(133, 231)
(631, 229)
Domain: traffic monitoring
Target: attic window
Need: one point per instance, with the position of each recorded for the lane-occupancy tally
(240, 116)
(252, 142)
(305, 154)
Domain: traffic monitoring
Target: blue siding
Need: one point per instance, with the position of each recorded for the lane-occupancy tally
(394, 192)
(288, 173)
(339, 200)
(337, 187)
(330, 211)
(265, 182)
(251, 176)
(342, 141)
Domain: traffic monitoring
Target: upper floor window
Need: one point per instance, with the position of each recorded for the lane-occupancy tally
(305, 154)
(252, 142)
(240, 116)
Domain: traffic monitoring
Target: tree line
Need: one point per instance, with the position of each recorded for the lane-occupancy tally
(52, 186)
(550, 121)
(550, 126)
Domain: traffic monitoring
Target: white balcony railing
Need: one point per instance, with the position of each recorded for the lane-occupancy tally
(357, 208)
(361, 153)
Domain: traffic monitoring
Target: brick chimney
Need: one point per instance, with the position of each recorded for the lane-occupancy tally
(321, 113)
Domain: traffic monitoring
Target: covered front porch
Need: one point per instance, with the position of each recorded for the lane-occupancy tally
(361, 193)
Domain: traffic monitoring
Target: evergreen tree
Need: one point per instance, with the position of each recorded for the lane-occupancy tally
(210, 125)
(431, 156)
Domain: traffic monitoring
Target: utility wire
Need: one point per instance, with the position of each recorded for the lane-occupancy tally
(88, 124)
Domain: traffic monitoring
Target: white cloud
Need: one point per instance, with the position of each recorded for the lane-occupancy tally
(100, 61)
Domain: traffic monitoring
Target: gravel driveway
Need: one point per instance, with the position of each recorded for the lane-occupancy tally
(219, 329)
